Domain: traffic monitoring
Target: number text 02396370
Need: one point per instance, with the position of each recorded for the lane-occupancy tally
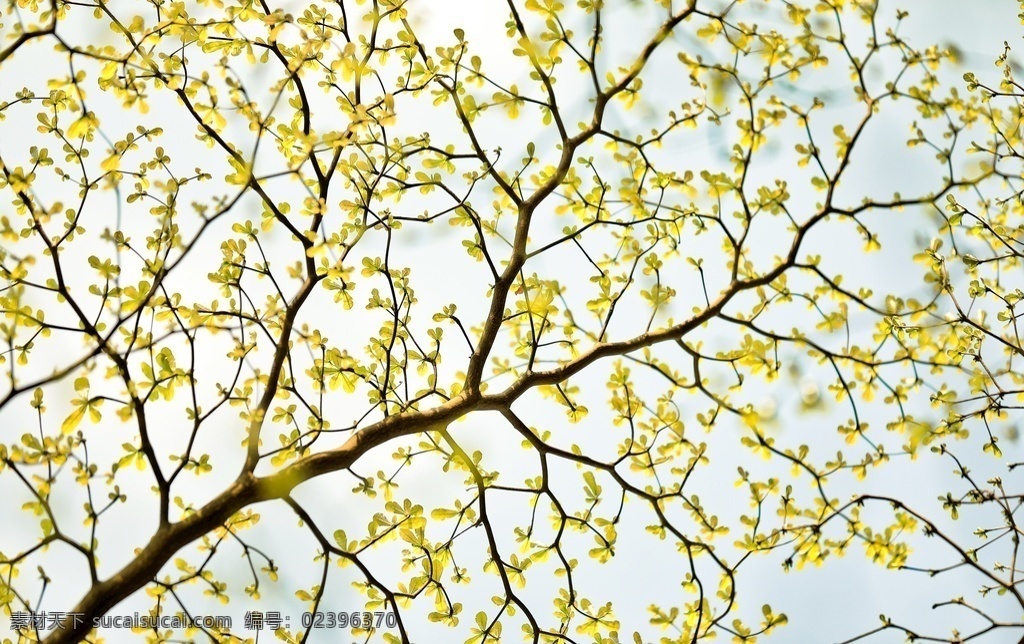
(354, 619)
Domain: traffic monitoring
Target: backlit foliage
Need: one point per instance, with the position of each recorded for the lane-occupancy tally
(247, 248)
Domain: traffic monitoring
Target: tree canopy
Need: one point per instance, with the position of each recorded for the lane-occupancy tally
(479, 300)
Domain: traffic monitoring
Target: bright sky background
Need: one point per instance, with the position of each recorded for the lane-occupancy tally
(827, 604)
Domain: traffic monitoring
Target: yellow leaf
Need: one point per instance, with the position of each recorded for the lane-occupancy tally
(241, 175)
(72, 421)
(111, 163)
(109, 70)
(83, 126)
(539, 304)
